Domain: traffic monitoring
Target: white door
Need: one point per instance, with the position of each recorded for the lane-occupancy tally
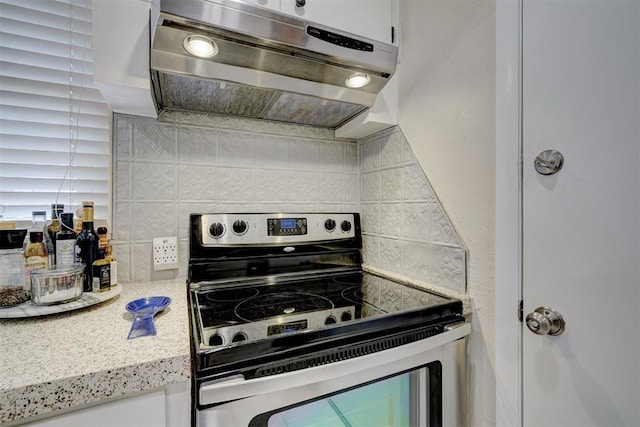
(581, 232)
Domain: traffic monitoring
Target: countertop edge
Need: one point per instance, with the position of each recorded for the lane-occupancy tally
(94, 387)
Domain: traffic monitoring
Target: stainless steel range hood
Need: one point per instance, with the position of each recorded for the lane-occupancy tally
(268, 65)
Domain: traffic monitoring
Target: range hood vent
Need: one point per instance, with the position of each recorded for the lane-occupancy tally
(266, 65)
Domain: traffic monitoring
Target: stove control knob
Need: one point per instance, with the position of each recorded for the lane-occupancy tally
(346, 316)
(240, 227)
(345, 226)
(330, 320)
(240, 336)
(330, 225)
(216, 230)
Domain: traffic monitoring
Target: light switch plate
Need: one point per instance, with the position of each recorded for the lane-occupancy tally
(165, 253)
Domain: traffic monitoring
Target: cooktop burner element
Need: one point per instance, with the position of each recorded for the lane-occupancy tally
(232, 295)
(280, 304)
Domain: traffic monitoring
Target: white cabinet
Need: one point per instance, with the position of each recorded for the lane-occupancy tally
(368, 18)
(169, 406)
(121, 39)
(269, 4)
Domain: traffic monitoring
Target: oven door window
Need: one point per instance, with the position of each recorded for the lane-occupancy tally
(410, 399)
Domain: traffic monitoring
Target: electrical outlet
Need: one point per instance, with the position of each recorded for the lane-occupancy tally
(165, 253)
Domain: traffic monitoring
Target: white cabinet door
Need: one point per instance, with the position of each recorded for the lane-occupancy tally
(269, 4)
(147, 409)
(581, 232)
(369, 18)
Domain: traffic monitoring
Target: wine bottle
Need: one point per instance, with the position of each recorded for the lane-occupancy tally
(87, 242)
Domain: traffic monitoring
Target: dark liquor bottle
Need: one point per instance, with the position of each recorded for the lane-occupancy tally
(87, 242)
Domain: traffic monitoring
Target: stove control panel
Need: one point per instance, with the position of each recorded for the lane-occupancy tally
(286, 324)
(260, 228)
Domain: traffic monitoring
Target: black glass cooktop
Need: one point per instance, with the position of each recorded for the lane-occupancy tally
(244, 312)
(228, 305)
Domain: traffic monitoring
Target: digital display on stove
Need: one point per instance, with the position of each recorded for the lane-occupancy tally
(286, 226)
(283, 328)
(287, 223)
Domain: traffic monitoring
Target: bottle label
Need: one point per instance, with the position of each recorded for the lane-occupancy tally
(66, 252)
(34, 263)
(114, 272)
(101, 277)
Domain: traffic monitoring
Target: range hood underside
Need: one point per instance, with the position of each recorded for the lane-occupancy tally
(178, 92)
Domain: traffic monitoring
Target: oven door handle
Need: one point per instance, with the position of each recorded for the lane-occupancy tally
(236, 387)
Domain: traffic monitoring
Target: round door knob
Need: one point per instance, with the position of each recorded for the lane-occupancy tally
(545, 321)
(548, 162)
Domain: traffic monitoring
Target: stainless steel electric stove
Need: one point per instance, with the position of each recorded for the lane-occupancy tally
(272, 294)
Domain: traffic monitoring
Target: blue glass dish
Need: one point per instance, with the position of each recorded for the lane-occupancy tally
(143, 310)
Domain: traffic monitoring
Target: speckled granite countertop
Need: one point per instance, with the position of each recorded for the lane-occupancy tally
(79, 357)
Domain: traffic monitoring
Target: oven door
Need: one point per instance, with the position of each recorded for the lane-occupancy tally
(417, 384)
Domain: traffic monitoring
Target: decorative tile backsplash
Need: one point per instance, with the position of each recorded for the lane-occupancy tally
(406, 230)
(187, 162)
(184, 163)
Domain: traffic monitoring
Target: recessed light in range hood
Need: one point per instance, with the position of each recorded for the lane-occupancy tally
(266, 65)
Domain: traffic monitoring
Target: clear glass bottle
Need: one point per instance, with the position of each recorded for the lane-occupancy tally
(114, 265)
(88, 243)
(13, 289)
(66, 241)
(50, 230)
(35, 256)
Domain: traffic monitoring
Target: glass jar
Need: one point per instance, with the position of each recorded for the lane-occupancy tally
(13, 287)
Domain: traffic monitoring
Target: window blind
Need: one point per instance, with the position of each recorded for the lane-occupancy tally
(54, 125)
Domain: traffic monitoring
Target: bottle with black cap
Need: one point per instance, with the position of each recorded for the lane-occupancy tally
(66, 241)
(88, 242)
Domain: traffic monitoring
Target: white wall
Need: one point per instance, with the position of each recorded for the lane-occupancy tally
(447, 113)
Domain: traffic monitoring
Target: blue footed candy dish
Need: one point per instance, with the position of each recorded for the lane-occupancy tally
(143, 310)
